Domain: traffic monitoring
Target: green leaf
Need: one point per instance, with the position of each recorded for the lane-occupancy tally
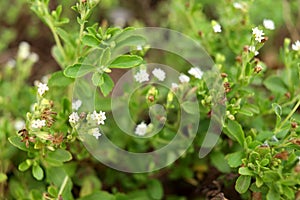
(53, 191)
(89, 185)
(245, 171)
(107, 86)
(16, 141)
(59, 79)
(37, 172)
(278, 111)
(97, 79)
(60, 155)
(273, 194)
(105, 56)
(3, 177)
(78, 70)
(242, 184)
(275, 85)
(24, 166)
(155, 189)
(218, 160)
(189, 107)
(133, 40)
(98, 195)
(126, 61)
(235, 159)
(90, 40)
(235, 131)
(63, 35)
(58, 56)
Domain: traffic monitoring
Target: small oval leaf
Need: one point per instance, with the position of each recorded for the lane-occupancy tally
(126, 61)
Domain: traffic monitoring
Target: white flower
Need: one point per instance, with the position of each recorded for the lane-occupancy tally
(38, 123)
(42, 88)
(33, 57)
(95, 132)
(174, 86)
(11, 63)
(238, 5)
(269, 24)
(74, 117)
(19, 124)
(253, 50)
(141, 129)
(184, 78)
(196, 72)
(217, 28)
(139, 47)
(23, 52)
(141, 76)
(76, 104)
(45, 78)
(159, 74)
(296, 46)
(99, 117)
(258, 34)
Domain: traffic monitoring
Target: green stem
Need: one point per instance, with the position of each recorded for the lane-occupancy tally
(57, 41)
(288, 117)
(62, 187)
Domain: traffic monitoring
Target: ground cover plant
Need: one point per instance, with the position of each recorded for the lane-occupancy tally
(161, 99)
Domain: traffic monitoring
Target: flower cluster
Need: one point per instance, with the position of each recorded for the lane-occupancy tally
(217, 28)
(38, 123)
(258, 34)
(141, 76)
(95, 132)
(42, 88)
(296, 46)
(269, 24)
(159, 74)
(141, 129)
(24, 53)
(74, 118)
(76, 104)
(93, 119)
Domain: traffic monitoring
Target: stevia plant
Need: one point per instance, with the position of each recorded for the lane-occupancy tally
(261, 105)
(260, 145)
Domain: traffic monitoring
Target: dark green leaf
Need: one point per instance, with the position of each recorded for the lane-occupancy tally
(155, 189)
(63, 35)
(273, 194)
(90, 40)
(59, 79)
(107, 86)
(242, 184)
(53, 191)
(275, 85)
(16, 141)
(37, 172)
(60, 155)
(97, 79)
(126, 61)
(235, 131)
(235, 159)
(99, 195)
(245, 171)
(133, 40)
(105, 56)
(189, 107)
(218, 161)
(23, 166)
(58, 56)
(78, 70)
